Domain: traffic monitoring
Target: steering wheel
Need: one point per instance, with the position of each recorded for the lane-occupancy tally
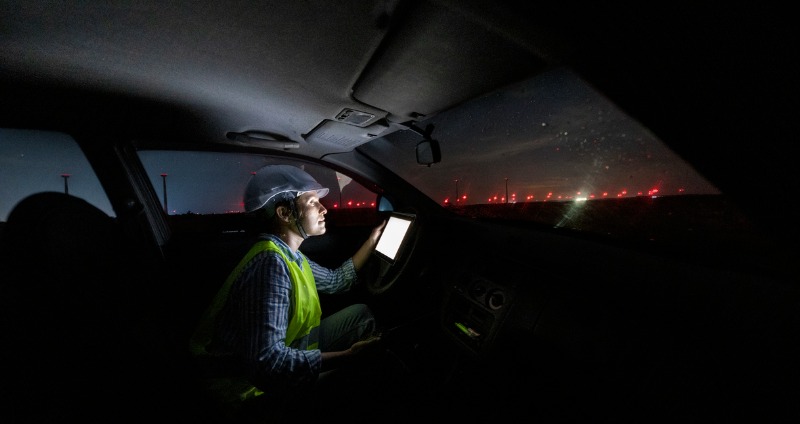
(381, 273)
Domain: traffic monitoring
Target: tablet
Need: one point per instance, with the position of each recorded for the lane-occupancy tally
(394, 236)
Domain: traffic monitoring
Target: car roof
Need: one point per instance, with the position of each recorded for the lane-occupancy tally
(326, 75)
(319, 77)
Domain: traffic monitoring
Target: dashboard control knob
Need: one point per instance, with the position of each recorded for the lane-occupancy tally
(495, 299)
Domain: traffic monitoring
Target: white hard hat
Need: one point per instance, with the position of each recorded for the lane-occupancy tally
(274, 183)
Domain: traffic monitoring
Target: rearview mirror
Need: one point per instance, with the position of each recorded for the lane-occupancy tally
(428, 152)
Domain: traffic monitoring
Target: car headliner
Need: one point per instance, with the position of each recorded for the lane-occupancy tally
(279, 69)
(330, 76)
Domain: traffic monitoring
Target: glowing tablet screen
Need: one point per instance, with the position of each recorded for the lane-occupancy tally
(391, 241)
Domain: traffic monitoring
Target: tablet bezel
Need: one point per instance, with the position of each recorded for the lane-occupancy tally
(390, 224)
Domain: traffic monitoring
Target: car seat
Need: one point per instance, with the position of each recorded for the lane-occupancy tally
(73, 298)
(225, 386)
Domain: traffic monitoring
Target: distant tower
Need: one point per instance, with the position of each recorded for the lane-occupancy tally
(164, 185)
(66, 185)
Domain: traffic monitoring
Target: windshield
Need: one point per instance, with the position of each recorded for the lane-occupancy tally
(553, 150)
(552, 138)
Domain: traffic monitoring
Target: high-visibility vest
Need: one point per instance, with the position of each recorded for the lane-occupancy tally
(304, 316)
(306, 312)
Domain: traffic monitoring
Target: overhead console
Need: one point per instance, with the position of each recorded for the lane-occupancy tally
(474, 311)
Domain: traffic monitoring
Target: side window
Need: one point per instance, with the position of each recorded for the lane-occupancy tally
(34, 161)
(213, 183)
(354, 195)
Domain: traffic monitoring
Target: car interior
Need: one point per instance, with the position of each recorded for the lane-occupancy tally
(485, 318)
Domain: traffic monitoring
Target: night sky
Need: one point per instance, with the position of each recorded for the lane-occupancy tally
(38, 161)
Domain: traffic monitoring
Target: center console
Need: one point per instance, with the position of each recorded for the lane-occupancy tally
(474, 311)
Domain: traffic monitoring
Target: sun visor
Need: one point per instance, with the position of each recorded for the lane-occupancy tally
(343, 136)
(421, 68)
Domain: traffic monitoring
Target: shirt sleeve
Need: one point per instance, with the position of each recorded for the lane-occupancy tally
(337, 280)
(266, 296)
